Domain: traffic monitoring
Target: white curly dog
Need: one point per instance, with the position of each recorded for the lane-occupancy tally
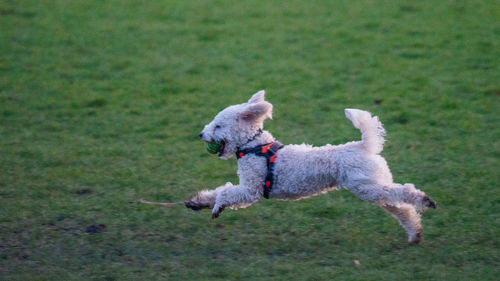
(303, 170)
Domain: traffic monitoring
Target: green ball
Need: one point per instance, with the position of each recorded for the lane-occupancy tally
(212, 147)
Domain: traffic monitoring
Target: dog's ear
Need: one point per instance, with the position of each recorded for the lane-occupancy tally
(257, 97)
(257, 111)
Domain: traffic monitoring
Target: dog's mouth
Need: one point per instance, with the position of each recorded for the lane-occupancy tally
(221, 148)
(215, 147)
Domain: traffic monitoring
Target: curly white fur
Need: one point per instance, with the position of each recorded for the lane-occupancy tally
(303, 170)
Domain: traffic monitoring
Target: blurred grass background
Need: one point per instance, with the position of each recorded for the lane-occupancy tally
(101, 103)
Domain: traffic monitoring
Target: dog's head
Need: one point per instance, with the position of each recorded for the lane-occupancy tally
(237, 124)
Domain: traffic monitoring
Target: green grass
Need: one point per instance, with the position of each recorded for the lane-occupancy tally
(109, 96)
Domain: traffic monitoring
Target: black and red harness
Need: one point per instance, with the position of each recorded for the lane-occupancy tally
(270, 152)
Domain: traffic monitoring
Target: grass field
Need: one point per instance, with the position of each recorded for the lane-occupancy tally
(101, 103)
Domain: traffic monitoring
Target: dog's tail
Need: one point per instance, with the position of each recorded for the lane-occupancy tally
(371, 129)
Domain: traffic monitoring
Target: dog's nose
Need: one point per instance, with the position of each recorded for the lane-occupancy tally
(201, 135)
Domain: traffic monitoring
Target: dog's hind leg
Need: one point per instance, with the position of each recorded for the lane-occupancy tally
(417, 197)
(409, 219)
(402, 201)
(392, 194)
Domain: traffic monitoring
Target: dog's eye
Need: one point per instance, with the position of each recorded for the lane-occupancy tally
(217, 127)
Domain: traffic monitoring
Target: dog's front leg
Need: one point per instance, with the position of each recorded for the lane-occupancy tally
(234, 196)
(205, 198)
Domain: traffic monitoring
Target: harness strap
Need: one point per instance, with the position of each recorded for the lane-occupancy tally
(270, 152)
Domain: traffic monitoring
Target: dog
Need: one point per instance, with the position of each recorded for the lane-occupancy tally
(300, 171)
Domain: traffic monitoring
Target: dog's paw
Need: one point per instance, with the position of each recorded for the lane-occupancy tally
(195, 205)
(428, 202)
(216, 211)
(415, 239)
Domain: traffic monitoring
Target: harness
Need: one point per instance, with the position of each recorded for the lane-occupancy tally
(270, 152)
